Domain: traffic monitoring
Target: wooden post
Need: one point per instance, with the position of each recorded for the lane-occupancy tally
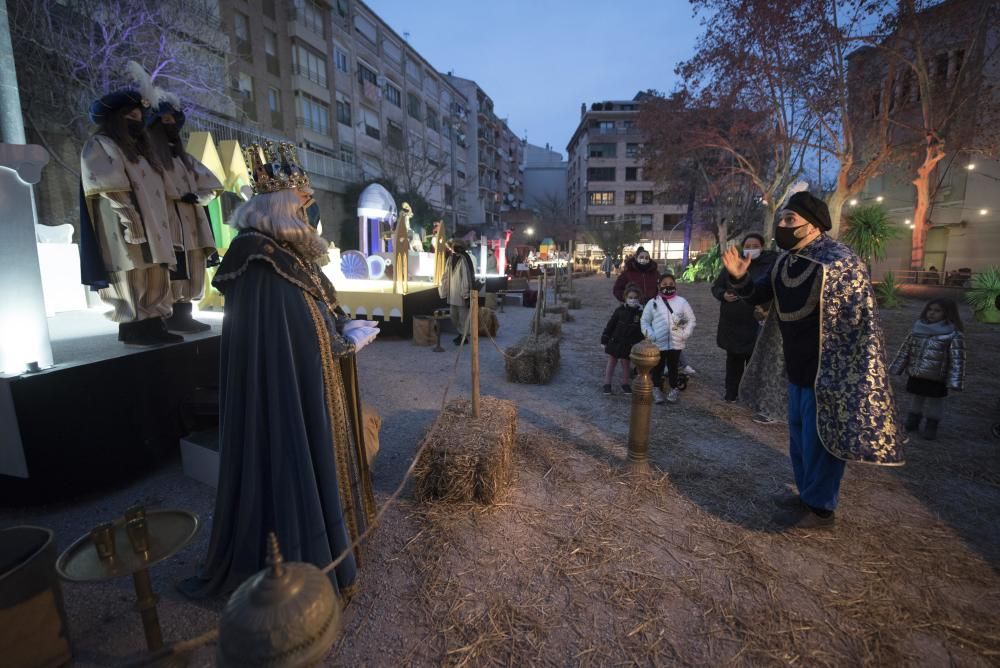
(474, 327)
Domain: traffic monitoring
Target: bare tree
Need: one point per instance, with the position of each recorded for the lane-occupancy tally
(414, 165)
(556, 222)
(612, 236)
(71, 52)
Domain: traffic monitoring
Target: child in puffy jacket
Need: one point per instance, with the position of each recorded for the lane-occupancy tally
(668, 321)
(933, 355)
(620, 334)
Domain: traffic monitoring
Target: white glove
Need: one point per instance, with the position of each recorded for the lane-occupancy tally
(361, 336)
(354, 324)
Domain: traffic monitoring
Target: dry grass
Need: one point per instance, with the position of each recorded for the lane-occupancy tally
(586, 565)
(467, 458)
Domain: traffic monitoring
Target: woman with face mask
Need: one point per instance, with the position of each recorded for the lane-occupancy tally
(821, 357)
(620, 334)
(668, 321)
(640, 271)
(738, 326)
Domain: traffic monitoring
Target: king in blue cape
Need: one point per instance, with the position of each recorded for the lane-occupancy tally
(292, 456)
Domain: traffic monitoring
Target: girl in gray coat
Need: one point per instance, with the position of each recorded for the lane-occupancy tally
(933, 355)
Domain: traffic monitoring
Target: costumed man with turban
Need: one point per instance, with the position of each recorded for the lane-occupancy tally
(126, 247)
(821, 357)
(190, 187)
(292, 457)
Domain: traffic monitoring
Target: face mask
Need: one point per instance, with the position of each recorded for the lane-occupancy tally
(172, 132)
(751, 253)
(632, 301)
(135, 128)
(670, 291)
(788, 237)
(311, 209)
(642, 260)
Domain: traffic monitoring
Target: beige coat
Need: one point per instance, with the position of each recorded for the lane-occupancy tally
(128, 206)
(190, 228)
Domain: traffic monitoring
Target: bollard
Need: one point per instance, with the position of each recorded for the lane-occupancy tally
(645, 355)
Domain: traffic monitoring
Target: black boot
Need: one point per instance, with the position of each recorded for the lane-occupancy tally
(930, 429)
(158, 330)
(913, 421)
(181, 320)
(149, 332)
(131, 333)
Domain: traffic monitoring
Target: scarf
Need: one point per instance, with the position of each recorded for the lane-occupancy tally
(921, 328)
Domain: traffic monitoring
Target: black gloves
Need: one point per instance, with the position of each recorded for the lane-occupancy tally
(189, 198)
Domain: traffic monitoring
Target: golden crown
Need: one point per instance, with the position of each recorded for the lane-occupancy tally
(274, 167)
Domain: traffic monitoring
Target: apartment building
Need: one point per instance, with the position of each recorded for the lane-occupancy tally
(544, 176)
(965, 218)
(496, 183)
(605, 180)
(360, 103)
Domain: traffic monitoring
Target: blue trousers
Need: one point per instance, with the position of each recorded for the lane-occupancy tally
(817, 472)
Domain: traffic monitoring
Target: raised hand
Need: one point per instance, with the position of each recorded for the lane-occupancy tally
(735, 263)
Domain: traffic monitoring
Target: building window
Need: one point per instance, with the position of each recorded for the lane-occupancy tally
(267, 8)
(366, 28)
(314, 115)
(392, 51)
(271, 52)
(600, 173)
(347, 153)
(602, 198)
(274, 105)
(365, 74)
(432, 120)
(340, 58)
(394, 136)
(246, 96)
(605, 126)
(241, 28)
(630, 196)
(413, 69)
(343, 110)
(372, 128)
(632, 150)
(628, 125)
(309, 64)
(311, 15)
(631, 173)
(602, 150)
(394, 95)
(646, 222)
(413, 106)
(647, 196)
(671, 221)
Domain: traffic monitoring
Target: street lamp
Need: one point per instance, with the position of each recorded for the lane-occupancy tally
(529, 231)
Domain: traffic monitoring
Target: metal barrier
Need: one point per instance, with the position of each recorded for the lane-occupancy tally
(960, 278)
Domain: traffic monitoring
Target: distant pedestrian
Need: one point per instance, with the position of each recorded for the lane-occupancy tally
(668, 321)
(621, 333)
(641, 271)
(738, 322)
(933, 355)
(607, 266)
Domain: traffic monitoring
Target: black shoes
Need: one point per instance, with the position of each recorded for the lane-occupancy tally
(151, 332)
(627, 389)
(181, 320)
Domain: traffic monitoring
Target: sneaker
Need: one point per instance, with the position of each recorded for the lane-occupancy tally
(803, 518)
(688, 370)
(760, 418)
(627, 389)
(607, 389)
(673, 396)
(788, 501)
(729, 400)
(658, 396)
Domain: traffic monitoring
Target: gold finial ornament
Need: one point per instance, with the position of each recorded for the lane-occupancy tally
(401, 250)
(285, 616)
(644, 355)
(274, 167)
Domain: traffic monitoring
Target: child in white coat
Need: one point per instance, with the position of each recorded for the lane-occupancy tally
(667, 320)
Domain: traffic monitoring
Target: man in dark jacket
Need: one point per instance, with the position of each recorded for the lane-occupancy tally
(642, 271)
(738, 325)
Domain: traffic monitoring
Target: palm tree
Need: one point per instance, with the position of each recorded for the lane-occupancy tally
(869, 230)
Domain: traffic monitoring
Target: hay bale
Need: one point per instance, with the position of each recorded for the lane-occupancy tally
(488, 322)
(466, 458)
(532, 360)
(552, 327)
(425, 330)
(560, 312)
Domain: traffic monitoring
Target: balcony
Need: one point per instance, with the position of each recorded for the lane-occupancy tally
(603, 134)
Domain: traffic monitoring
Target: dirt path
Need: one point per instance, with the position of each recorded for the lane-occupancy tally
(581, 565)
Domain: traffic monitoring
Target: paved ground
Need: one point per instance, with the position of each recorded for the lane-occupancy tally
(581, 565)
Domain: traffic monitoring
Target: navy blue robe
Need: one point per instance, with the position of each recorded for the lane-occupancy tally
(292, 457)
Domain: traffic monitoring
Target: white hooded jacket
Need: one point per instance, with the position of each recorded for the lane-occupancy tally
(667, 322)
